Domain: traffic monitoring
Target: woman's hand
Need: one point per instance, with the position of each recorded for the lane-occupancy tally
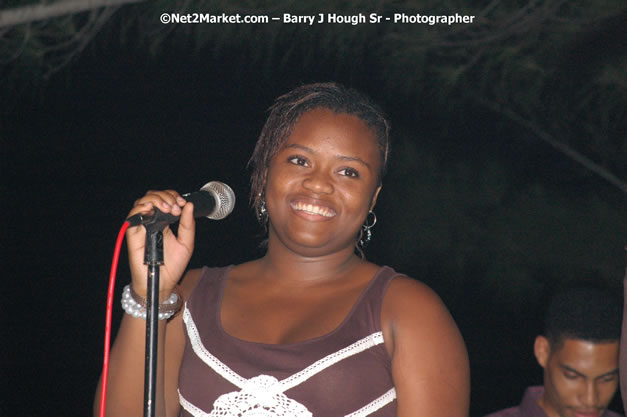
(177, 248)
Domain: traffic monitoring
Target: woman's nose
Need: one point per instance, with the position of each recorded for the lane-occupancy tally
(318, 182)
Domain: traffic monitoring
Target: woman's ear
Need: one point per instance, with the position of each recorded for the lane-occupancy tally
(375, 196)
(542, 350)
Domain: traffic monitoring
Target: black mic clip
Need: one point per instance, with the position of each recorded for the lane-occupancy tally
(154, 224)
(157, 220)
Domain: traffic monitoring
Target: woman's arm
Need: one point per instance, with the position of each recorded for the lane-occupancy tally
(125, 389)
(126, 375)
(429, 359)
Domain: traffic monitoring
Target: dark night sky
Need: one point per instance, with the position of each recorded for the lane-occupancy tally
(118, 122)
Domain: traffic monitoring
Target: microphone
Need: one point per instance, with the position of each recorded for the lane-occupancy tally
(215, 200)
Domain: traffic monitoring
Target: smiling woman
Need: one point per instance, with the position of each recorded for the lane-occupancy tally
(311, 328)
(321, 184)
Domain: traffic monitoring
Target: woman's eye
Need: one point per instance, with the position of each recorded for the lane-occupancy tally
(349, 172)
(297, 160)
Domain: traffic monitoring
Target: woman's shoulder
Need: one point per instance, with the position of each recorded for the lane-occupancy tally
(412, 306)
(403, 288)
(193, 276)
(428, 353)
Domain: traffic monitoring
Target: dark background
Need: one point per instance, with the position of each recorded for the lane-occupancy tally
(493, 220)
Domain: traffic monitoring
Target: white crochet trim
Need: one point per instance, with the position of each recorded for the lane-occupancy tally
(202, 352)
(380, 402)
(256, 399)
(320, 365)
(191, 408)
(365, 411)
(262, 396)
(290, 382)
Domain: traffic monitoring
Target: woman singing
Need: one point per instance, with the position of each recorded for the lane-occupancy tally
(311, 328)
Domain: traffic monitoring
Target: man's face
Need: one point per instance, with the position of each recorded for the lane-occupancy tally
(580, 377)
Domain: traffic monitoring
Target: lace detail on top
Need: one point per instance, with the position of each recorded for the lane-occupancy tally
(202, 352)
(258, 398)
(262, 395)
(368, 409)
(359, 346)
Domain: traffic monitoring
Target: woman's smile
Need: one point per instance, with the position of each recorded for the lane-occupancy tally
(314, 210)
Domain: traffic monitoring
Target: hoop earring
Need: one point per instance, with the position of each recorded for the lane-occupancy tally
(262, 212)
(365, 233)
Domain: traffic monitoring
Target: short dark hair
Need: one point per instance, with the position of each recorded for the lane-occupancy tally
(585, 313)
(288, 108)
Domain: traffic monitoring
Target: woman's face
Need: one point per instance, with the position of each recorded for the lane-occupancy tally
(322, 182)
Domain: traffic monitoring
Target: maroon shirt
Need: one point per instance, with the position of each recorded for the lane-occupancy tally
(529, 406)
(345, 371)
(623, 347)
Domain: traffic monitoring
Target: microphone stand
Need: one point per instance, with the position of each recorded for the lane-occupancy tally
(153, 258)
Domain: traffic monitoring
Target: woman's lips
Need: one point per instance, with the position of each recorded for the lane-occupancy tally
(313, 209)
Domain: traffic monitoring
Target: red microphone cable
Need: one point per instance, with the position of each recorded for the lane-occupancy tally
(110, 296)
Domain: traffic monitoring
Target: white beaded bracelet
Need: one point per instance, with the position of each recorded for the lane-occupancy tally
(135, 305)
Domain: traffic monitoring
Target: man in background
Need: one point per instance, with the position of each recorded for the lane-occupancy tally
(623, 345)
(579, 353)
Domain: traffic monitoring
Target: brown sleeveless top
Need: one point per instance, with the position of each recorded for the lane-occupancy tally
(344, 373)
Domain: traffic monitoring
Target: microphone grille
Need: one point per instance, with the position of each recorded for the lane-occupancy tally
(225, 199)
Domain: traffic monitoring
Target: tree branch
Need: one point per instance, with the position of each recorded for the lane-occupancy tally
(26, 14)
(548, 138)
